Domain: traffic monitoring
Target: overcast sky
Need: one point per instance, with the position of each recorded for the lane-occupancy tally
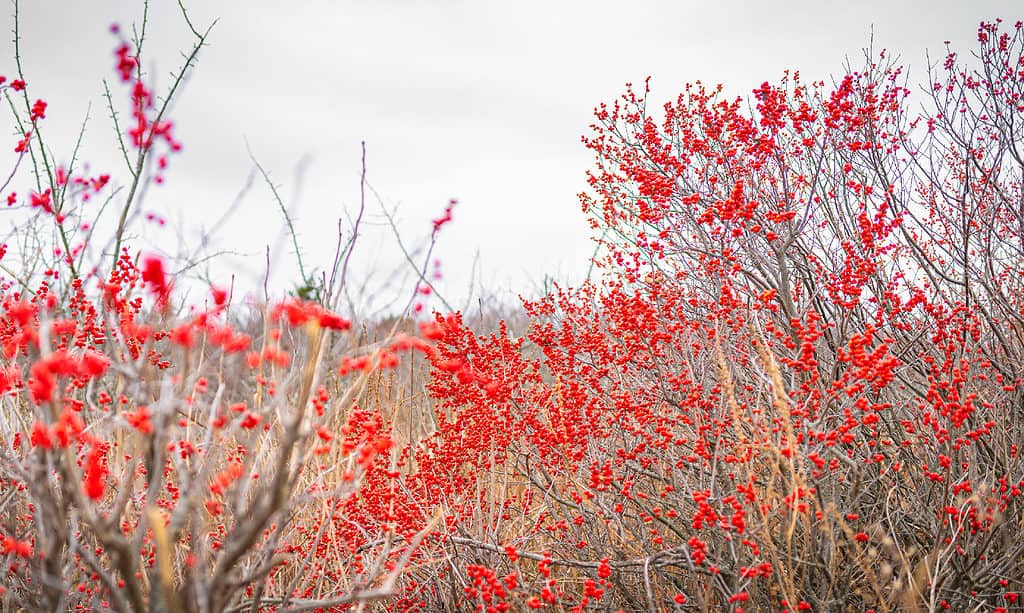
(481, 101)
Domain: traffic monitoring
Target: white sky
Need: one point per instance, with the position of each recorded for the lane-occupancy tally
(481, 101)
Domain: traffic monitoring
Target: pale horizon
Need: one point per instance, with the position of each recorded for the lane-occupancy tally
(481, 102)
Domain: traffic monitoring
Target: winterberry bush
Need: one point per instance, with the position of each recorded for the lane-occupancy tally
(796, 385)
(154, 454)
